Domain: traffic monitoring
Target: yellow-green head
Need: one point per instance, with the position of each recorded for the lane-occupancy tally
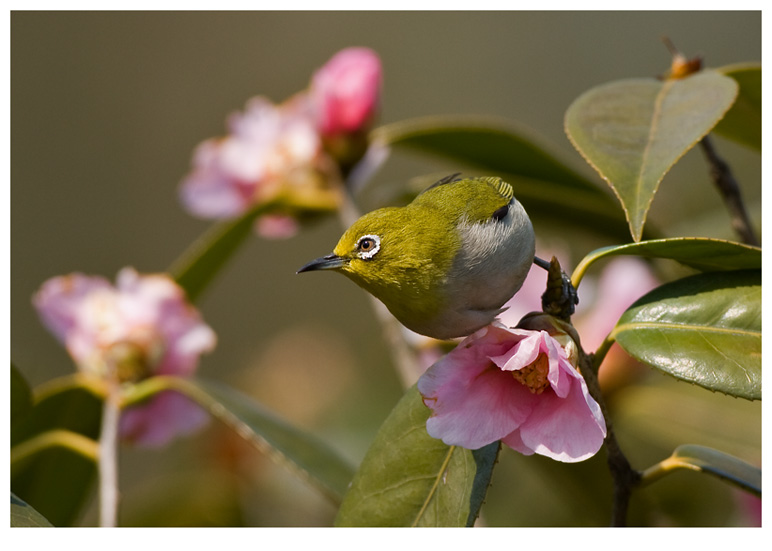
(445, 263)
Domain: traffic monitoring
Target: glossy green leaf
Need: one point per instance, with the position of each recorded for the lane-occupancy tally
(710, 461)
(408, 478)
(633, 131)
(301, 452)
(545, 184)
(703, 254)
(25, 516)
(704, 329)
(58, 481)
(742, 123)
(206, 256)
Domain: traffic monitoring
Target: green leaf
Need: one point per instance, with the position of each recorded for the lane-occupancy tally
(206, 256)
(546, 185)
(24, 516)
(633, 131)
(704, 329)
(58, 481)
(742, 123)
(703, 254)
(408, 478)
(710, 461)
(304, 454)
(21, 397)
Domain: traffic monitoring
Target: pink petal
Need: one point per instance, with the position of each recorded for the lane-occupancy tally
(165, 416)
(473, 402)
(60, 299)
(514, 441)
(158, 302)
(566, 429)
(346, 91)
(208, 191)
(522, 353)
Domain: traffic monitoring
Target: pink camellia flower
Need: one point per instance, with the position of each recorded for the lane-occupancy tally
(514, 385)
(141, 327)
(345, 92)
(272, 151)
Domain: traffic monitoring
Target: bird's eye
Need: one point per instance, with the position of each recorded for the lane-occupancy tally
(368, 246)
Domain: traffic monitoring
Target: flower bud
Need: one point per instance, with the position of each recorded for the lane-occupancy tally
(346, 91)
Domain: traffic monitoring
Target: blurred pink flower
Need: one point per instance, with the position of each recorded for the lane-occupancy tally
(272, 151)
(345, 92)
(517, 386)
(621, 282)
(141, 327)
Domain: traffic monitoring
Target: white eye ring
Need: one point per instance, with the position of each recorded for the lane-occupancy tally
(368, 246)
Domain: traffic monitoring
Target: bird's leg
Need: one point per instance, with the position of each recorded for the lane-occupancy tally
(560, 298)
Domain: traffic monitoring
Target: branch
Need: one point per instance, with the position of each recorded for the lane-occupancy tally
(730, 191)
(559, 300)
(625, 478)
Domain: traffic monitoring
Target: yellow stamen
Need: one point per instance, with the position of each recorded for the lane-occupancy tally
(534, 376)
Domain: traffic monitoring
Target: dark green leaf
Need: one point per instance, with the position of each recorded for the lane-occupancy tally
(633, 131)
(705, 329)
(24, 516)
(485, 459)
(714, 462)
(57, 482)
(700, 253)
(303, 453)
(201, 262)
(742, 123)
(408, 478)
(545, 185)
(21, 397)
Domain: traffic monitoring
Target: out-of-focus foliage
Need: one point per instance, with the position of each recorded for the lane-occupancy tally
(742, 123)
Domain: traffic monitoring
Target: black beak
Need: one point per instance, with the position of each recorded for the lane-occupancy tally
(329, 262)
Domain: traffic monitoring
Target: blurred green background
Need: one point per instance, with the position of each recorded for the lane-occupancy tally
(106, 109)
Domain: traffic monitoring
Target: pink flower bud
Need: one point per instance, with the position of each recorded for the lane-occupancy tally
(346, 91)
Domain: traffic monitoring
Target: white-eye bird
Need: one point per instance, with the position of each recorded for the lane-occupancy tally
(445, 264)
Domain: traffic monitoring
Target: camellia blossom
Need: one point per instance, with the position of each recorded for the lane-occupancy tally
(272, 151)
(140, 327)
(345, 92)
(514, 385)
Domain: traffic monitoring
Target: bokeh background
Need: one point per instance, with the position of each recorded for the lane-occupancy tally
(106, 109)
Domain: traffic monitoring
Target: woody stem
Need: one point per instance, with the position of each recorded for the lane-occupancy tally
(624, 476)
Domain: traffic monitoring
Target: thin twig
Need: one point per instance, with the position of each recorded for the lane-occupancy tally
(108, 460)
(730, 191)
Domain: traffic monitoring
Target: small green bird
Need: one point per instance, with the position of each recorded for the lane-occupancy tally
(445, 264)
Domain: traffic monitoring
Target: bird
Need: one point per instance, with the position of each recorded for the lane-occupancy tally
(446, 263)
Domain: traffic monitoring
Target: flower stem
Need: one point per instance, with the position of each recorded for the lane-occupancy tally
(108, 459)
(730, 191)
(600, 353)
